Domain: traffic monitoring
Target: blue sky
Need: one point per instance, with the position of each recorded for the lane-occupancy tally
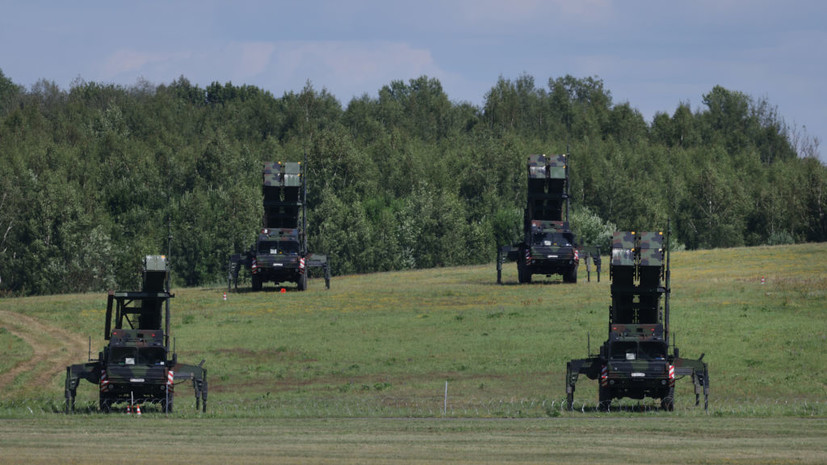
(652, 54)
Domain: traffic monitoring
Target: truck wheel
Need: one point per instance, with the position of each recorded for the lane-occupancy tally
(573, 275)
(302, 281)
(523, 274)
(256, 282)
(604, 398)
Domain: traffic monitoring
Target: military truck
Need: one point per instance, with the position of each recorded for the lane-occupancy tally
(635, 361)
(137, 366)
(280, 251)
(549, 246)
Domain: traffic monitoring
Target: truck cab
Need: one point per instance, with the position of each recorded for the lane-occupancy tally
(277, 258)
(550, 249)
(136, 367)
(636, 364)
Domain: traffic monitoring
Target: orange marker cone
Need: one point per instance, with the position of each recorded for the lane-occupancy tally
(129, 410)
(283, 290)
(225, 296)
(138, 410)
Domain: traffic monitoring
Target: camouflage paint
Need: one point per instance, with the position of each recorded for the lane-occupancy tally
(635, 361)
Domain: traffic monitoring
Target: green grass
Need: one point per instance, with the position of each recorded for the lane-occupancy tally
(357, 374)
(385, 344)
(14, 350)
(582, 440)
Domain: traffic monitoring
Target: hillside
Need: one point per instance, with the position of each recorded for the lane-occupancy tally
(385, 344)
(94, 177)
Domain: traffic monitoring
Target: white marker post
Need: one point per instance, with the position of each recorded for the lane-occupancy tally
(445, 403)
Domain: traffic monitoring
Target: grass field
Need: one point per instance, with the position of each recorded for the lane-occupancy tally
(580, 440)
(319, 376)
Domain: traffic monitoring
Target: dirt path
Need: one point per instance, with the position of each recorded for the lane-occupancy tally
(53, 347)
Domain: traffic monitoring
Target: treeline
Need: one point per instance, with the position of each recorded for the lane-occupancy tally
(95, 177)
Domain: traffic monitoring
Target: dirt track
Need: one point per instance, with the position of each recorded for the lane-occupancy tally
(53, 349)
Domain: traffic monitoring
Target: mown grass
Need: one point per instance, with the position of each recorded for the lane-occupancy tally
(583, 440)
(385, 344)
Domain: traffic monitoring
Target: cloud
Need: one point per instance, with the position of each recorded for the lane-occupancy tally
(345, 68)
(130, 61)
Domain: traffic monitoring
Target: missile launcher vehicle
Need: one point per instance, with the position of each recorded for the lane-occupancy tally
(635, 361)
(280, 251)
(549, 246)
(137, 366)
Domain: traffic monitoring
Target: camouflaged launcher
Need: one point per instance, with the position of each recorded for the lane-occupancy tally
(280, 251)
(635, 361)
(548, 247)
(137, 366)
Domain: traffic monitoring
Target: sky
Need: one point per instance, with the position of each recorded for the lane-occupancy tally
(654, 55)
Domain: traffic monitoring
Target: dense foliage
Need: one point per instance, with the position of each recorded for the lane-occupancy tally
(93, 178)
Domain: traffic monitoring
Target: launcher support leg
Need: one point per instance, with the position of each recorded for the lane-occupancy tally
(204, 395)
(706, 388)
(571, 380)
(70, 390)
(499, 266)
(74, 373)
(326, 276)
(701, 382)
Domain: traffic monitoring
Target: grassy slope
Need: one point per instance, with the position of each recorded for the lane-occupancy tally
(385, 344)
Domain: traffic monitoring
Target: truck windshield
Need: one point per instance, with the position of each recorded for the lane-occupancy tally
(123, 355)
(623, 351)
(139, 356)
(278, 247)
(152, 356)
(634, 351)
(552, 239)
(653, 350)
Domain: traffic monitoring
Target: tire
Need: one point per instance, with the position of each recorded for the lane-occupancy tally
(604, 403)
(570, 276)
(302, 283)
(523, 274)
(256, 282)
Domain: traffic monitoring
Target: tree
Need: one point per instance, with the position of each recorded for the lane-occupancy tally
(9, 91)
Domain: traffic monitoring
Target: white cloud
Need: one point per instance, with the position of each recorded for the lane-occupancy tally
(345, 68)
